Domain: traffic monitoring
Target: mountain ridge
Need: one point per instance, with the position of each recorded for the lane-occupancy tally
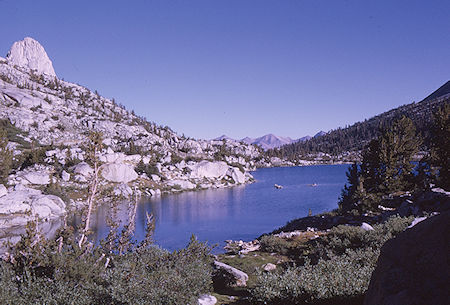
(269, 141)
(353, 138)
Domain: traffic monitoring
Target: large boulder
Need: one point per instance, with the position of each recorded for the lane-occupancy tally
(229, 276)
(237, 175)
(37, 177)
(118, 172)
(207, 169)
(23, 204)
(83, 169)
(413, 268)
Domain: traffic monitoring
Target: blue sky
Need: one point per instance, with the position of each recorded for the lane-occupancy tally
(243, 68)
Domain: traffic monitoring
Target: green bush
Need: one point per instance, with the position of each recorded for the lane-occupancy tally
(148, 169)
(337, 279)
(271, 243)
(156, 276)
(58, 271)
(337, 266)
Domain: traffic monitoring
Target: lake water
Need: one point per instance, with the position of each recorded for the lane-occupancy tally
(243, 212)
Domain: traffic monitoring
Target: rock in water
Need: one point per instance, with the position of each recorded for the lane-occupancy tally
(29, 53)
(413, 268)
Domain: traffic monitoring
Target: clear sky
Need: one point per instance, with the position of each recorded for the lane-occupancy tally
(243, 68)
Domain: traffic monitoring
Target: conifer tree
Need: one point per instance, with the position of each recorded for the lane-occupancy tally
(398, 145)
(385, 168)
(440, 152)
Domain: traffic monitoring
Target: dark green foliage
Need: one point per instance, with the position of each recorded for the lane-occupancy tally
(440, 153)
(336, 270)
(223, 152)
(148, 169)
(58, 271)
(342, 237)
(352, 190)
(159, 277)
(34, 155)
(175, 159)
(386, 168)
(339, 280)
(13, 133)
(6, 157)
(397, 146)
(358, 135)
(274, 244)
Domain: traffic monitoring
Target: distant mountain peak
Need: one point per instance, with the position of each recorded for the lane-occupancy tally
(319, 134)
(223, 137)
(29, 53)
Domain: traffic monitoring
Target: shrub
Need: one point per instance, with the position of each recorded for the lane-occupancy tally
(337, 279)
(58, 271)
(148, 169)
(6, 157)
(155, 276)
(271, 243)
(337, 265)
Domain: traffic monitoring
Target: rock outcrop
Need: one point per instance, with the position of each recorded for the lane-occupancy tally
(413, 268)
(207, 169)
(138, 156)
(29, 53)
(118, 172)
(24, 204)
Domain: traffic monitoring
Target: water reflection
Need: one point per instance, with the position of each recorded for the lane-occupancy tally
(192, 207)
(236, 213)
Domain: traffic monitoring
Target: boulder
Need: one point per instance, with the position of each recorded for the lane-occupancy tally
(22, 204)
(65, 176)
(269, 267)
(3, 190)
(413, 268)
(123, 190)
(118, 172)
(155, 178)
(37, 177)
(230, 275)
(207, 299)
(83, 169)
(207, 169)
(183, 184)
(237, 175)
(416, 221)
(366, 227)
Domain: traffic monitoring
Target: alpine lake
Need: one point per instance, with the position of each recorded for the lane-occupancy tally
(237, 213)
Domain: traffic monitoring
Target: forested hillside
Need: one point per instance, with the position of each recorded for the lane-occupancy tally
(356, 136)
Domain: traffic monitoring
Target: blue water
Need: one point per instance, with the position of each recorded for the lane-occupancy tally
(243, 212)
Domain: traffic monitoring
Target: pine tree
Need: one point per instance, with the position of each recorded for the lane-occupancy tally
(440, 152)
(398, 145)
(352, 191)
(385, 168)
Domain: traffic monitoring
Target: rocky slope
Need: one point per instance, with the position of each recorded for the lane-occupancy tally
(46, 115)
